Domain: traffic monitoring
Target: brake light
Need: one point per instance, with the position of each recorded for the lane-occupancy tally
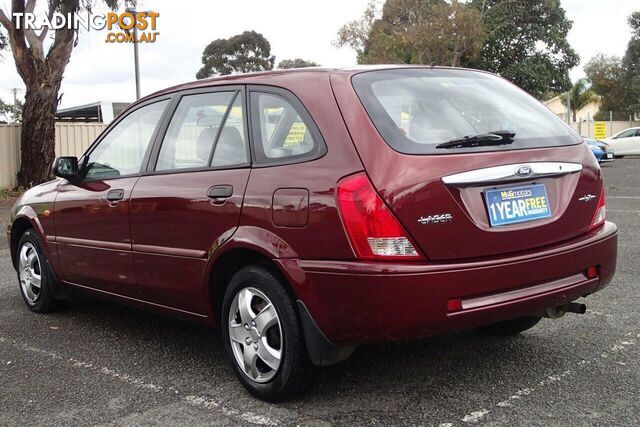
(601, 211)
(373, 230)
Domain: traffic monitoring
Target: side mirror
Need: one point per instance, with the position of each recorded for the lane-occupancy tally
(67, 168)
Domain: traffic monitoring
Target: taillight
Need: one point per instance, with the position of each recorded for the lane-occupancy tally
(373, 230)
(601, 211)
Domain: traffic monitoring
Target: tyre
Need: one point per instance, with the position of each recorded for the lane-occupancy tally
(263, 336)
(510, 327)
(34, 276)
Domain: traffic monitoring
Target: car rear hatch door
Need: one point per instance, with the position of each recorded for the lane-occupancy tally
(541, 188)
(458, 208)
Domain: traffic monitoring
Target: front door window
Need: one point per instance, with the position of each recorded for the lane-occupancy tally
(121, 151)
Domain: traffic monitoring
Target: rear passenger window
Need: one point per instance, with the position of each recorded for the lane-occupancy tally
(281, 133)
(627, 134)
(206, 130)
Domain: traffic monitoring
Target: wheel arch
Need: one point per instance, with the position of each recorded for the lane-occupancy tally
(20, 225)
(228, 263)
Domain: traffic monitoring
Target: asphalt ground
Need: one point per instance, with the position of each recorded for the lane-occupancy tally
(99, 363)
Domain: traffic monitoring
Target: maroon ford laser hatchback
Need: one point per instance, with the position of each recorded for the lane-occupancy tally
(308, 211)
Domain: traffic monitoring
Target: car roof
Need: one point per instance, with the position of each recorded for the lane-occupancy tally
(263, 77)
(257, 77)
(277, 77)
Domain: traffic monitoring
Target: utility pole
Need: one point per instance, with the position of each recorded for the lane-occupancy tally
(136, 60)
(610, 123)
(15, 91)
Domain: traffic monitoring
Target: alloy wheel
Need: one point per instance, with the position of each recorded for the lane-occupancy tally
(30, 272)
(256, 334)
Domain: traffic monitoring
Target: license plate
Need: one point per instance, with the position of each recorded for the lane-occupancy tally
(608, 156)
(517, 204)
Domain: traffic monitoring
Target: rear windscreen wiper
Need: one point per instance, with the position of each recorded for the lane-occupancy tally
(500, 137)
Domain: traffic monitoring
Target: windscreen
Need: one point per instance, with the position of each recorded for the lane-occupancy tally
(416, 109)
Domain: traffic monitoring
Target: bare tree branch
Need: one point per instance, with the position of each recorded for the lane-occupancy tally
(35, 44)
(5, 21)
(53, 6)
(21, 53)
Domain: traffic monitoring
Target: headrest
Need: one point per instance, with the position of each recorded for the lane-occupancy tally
(208, 121)
(230, 136)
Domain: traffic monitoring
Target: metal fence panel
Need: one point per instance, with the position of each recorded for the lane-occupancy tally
(72, 139)
(586, 129)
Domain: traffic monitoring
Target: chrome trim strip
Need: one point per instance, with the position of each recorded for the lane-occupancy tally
(527, 292)
(508, 173)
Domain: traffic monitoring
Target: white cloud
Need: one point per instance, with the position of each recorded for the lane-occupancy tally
(598, 27)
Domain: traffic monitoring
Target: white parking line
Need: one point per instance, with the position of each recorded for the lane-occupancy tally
(199, 401)
(623, 197)
(476, 416)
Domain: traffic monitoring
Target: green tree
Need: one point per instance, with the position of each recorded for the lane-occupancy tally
(631, 65)
(42, 71)
(605, 73)
(580, 96)
(527, 44)
(3, 42)
(617, 80)
(242, 53)
(10, 113)
(415, 32)
(286, 64)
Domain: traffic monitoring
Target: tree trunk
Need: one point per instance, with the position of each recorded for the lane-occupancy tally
(42, 76)
(37, 140)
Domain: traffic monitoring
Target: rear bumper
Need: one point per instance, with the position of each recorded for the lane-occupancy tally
(357, 302)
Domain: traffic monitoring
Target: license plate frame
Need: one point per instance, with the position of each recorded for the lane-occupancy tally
(518, 204)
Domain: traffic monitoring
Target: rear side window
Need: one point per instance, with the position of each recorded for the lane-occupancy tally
(628, 133)
(205, 130)
(282, 131)
(416, 109)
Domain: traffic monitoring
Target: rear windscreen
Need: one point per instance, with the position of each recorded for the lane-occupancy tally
(416, 109)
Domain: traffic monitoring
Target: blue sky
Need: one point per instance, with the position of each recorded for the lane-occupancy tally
(295, 28)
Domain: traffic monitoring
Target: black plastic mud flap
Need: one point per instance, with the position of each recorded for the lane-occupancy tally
(58, 290)
(321, 351)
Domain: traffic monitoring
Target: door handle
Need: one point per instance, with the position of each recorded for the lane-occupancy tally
(220, 192)
(115, 195)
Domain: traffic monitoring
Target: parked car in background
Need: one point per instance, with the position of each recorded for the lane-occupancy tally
(625, 143)
(306, 212)
(600, 150)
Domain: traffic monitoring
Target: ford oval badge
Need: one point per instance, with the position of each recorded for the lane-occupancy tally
(524, 171)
